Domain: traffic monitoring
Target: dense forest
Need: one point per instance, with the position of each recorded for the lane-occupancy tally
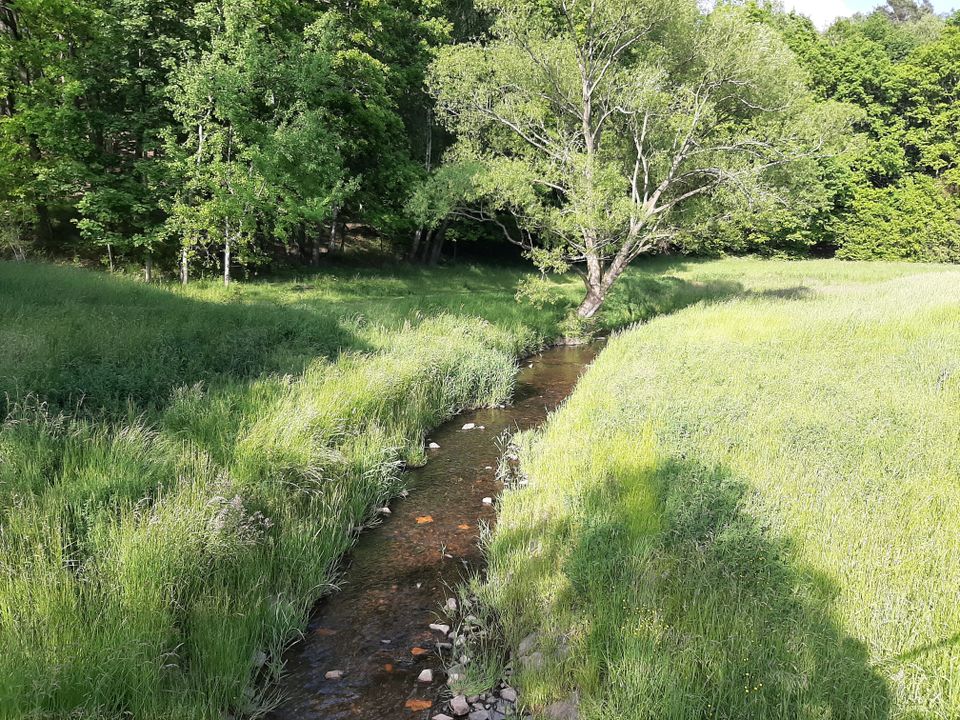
(192, 137)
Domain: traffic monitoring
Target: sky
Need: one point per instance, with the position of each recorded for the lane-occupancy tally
(824, 12)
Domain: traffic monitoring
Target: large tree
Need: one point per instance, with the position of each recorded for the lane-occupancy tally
(599, 129)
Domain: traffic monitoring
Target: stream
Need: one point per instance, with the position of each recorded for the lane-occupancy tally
(375, 629)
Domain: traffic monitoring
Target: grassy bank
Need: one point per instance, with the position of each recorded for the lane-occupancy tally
(749, 509)
(181, 469)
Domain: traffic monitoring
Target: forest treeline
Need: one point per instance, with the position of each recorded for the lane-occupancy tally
(196, 136)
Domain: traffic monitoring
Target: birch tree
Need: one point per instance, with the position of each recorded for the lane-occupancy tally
(599, 126)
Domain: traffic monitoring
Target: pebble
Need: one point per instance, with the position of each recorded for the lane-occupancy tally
(526, 645)
(441, 716)
(482, 714)
(433, 446)
(439, 627)
(459, 705)
(451, 604)
(533, 661)
(488, 501)
(562, 709)
(333, 674)
(468, 426)
(509, 694)
(425, 676)
(384, 511)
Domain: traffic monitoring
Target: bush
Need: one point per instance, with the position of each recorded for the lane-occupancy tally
(912, 220)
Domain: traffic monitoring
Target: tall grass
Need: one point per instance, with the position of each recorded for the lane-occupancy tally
(181, 470)
(144, 569)
(749, 509)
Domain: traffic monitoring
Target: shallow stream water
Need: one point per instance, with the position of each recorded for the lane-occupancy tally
(375, 629)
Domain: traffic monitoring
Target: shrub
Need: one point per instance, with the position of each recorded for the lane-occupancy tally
(912, 220)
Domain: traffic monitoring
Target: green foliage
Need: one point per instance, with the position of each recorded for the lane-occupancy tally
(912, 220)
(897, 64)
(153, 125)
(605, 130)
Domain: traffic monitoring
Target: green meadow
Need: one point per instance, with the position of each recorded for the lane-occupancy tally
(182, 469)
(748, 508)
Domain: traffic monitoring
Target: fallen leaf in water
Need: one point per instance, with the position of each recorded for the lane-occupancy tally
(424, 519)
(419, 651)
(463, 527)
(388, 667)
(324, 632)
(417, 705)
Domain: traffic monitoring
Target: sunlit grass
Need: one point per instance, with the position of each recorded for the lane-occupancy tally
(750, 509)
(181, 470)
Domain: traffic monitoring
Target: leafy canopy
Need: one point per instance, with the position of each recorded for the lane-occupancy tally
(605, 128)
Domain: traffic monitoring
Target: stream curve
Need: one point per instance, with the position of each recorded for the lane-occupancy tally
(375, 629)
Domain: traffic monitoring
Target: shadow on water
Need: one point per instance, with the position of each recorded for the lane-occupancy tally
(690, 604)
(375, 628)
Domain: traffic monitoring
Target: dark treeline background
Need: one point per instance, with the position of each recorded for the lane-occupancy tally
(195, 136)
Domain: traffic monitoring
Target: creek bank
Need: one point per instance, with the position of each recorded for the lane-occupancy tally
(377, 629)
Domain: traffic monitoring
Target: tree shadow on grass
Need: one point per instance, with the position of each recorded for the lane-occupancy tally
(682, 605)
(86, 340)
(639, 297)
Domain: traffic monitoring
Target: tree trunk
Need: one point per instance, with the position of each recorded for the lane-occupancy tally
(148, 268)
(599, 280)
(415, 248)
(332, 244)
(591, 303)
(184, 267)
(110, 256)
(226, 256)
(425, 247)
(437, 248)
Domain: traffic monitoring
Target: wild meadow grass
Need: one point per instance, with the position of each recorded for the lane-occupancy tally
(182, 469)
(750, 508)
